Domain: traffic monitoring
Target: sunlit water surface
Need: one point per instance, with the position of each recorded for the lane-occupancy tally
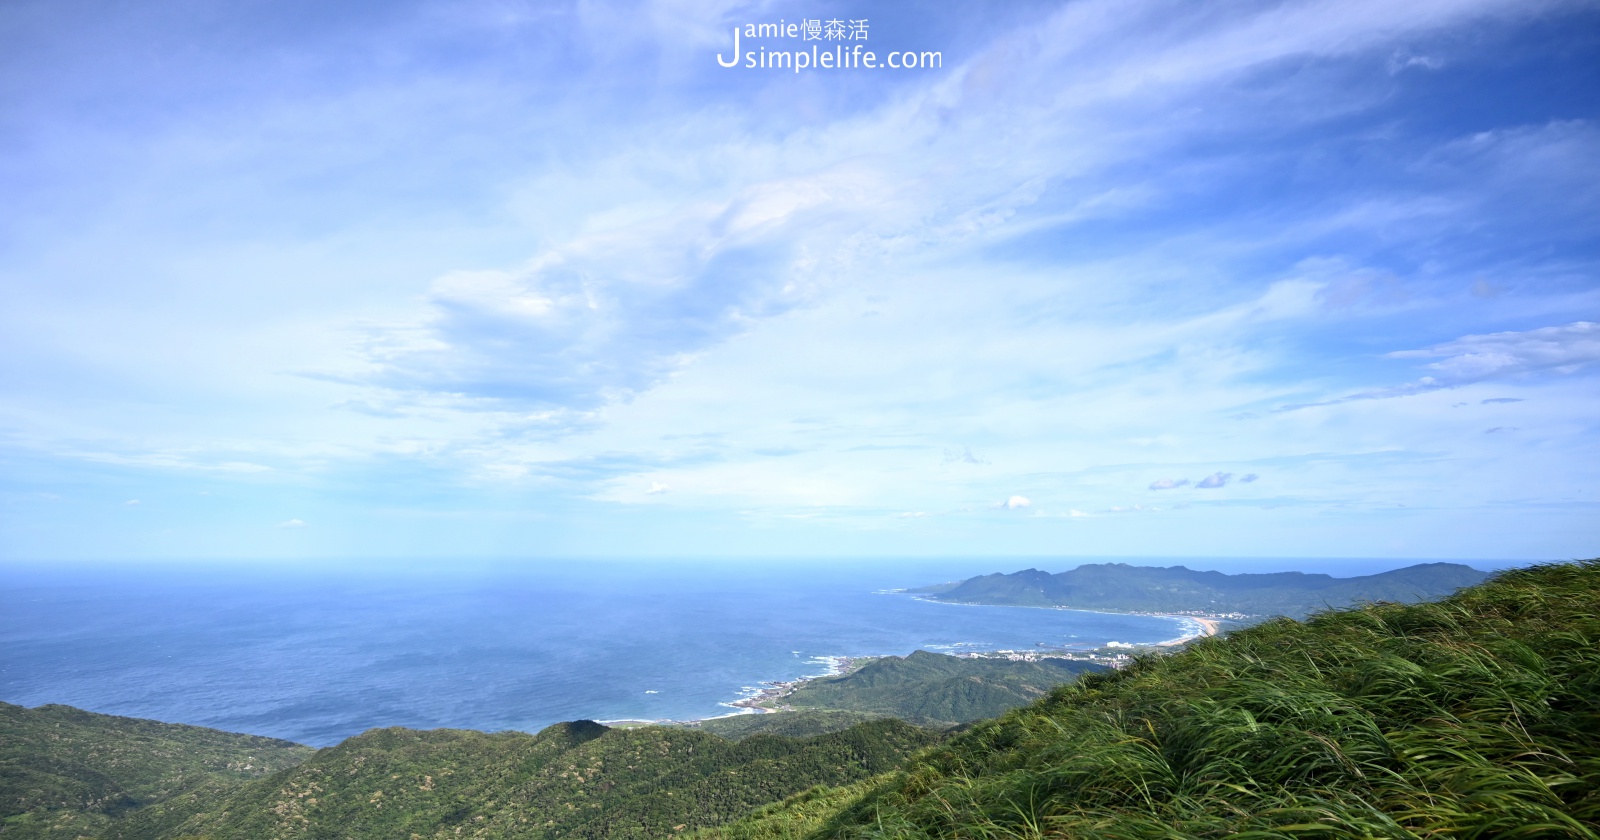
(317, 656)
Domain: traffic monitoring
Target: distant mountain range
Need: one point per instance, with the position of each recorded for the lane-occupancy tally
(1118, 586)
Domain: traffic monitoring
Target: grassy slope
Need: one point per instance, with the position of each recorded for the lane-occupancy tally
(938, 690)
(571, 780)
(66, 772)
(1478, 716)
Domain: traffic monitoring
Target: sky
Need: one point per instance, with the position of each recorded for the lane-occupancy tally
(496, 279)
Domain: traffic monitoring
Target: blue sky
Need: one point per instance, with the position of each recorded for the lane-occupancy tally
(523, 280)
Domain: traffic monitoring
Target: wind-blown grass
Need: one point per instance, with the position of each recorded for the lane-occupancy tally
(1474, 717)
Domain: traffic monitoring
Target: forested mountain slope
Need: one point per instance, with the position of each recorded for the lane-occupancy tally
(570, 780)
(802, 724)
(65, 772)
(1477, 716)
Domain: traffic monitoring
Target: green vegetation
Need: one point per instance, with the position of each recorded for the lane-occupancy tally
(791, 724)
(570, 780)
(1117, 586)
(1478, 716)
(932, 689)
(794, 818)
(1474, 717)
(928, 689)
(67, 773)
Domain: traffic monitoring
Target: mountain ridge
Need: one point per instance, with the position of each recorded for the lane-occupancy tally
(1128, 588)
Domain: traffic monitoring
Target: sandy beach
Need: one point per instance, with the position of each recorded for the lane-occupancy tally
(1208, 627)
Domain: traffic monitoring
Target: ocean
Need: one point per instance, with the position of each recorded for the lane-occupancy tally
(316, 655)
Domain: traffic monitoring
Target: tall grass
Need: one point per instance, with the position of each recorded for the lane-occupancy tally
(1474, 717)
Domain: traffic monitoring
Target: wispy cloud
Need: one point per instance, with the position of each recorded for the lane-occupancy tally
(1562, 350)
(1477, 358)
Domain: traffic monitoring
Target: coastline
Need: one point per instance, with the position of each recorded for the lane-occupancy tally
(768, 698)
(756, 702)
(1208, 626)
(775, 691)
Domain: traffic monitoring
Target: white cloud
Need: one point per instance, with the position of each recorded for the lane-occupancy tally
(651, 274)
(696, 300)
(1472, 358)
(291, 523)
(1017, 503)
(1214, 480)
(1248, 477)
(131, 502)
(964, 456)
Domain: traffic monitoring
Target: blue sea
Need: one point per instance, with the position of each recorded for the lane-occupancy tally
(316, 655)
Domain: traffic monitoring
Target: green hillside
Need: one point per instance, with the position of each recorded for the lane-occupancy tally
(932, 689)
(1474, 717)
(65, 772)
(1118, 586)
(791, 724)
(570, 780)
